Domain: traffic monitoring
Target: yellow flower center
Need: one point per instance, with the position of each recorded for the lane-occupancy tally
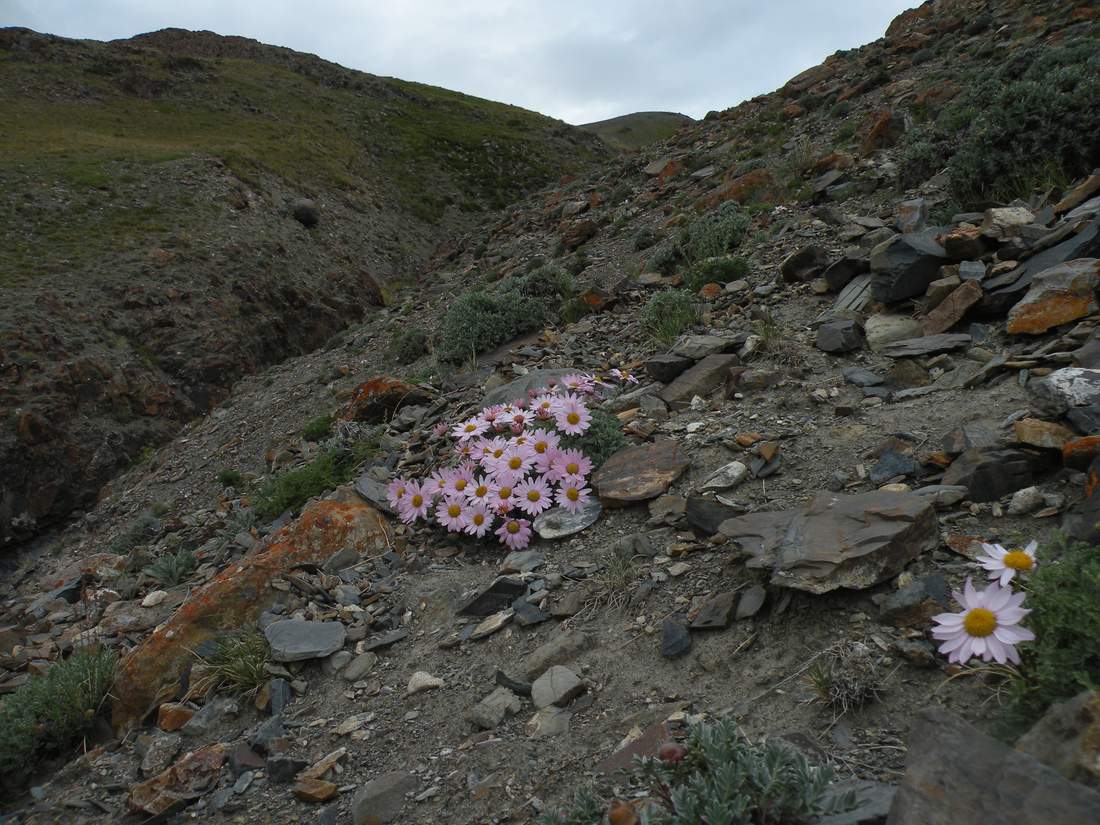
(1018, 560)
(980, 622)
(573, 418)
(513, 527)
(401, 492)
(454, 511)
(460, 484)
(572, 468)
(505, 492)
(572, 494)
(471, 427)
(478, 519)
(515, 462)
(498, 453)
(533, 495)
(417, 500)
(540, 446)
(481, 490)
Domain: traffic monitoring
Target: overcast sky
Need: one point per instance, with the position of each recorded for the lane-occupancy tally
(578, 60)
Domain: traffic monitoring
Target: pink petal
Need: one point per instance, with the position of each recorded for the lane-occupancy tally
(949, 619)
(1011, 615)
(954, 643)
(996, 649)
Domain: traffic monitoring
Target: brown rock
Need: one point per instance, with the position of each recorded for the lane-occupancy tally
(837, 540)
(314, 790)
(1045, 434)
(378, 399)
(181, 784)
(578, 232)
(1067, 738)
(966, 243)
(1078, 194)
(952, 308)
(237, 596)
(741, 189)
(881, 130)
(639, 473)
(1057, 296)
(1078, 453)
(172, 716)
(702, 379)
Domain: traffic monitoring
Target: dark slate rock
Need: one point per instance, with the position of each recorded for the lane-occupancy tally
(702, 379)
(380, 800)
(904, 266)
(751, 601)
(266, 737)
(972, 434)
(527, 614)
(305, 211)
(675, 638)
(803, 264)
(280, 694)
(1086, 420)
(861, 377)
(874, 801)
(706, 514)
(841, 273)
(915, 604)
(494, 598)
(716, 613)
(926, 345)
(956, 775)
(841, 335)
(295, 641)
(282, 769)
(388, 639)
(894, 463)
(666, 367)
(1056, 394)
(989, 474)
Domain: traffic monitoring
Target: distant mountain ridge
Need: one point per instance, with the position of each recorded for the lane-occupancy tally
(638, 129)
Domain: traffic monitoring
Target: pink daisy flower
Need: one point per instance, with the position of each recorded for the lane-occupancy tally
(515, 533)
(489, 414)
(572, 416)
(466, 450)
(437, 482)
(457, 480)
(573, 496)
(579, 383)
(479, 519)
(451, 514)
(439, 429)
(470, 428)
(545, 444)
(621, 375)
(569, 465)
(480, 490)
(1003, 565)
(533, 496)
(415, 503)
(517, 460)
(396, 491)
(503, 498)
(988, 626)
(543, 406)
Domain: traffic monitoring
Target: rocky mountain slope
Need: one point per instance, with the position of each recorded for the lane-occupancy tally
(187, 208)
(863, 311)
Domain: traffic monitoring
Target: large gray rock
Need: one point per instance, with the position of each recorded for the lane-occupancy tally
(557, 522)
(904, 266)
(1056, 394)
(989, 473)
(1067, 738)
(557, 686)
(803, 264)
(295, 641)
(837, 541)
(534, 380)
(698, 347)
(560, 649)
(956, 775)
(883, 329)
(498, 706)
(702, 379)
(925, 345)
(840, 335)
(381, 799)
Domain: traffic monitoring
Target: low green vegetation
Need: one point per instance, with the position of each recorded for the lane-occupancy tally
(237, 665)
(718, 776)
(49, 714)
(603, 439)
(714, 233)
(481, 319)
(668, 314)
(173, 568)
(230, 478)
(715, 271)
(291, 489)
(409, 345)
(318, 428)
(139, 531)
(638, 129)
(1064, 659)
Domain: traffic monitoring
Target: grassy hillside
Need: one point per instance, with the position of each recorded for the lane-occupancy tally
(637, 130)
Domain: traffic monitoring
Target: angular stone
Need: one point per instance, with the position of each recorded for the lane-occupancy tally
(295, 641)
(989, 474)
(873, 801)
(842, 272)
(421, 681)
(952, 308)
(725, 477)
(559, 650)
(702, 379)
(157, 751)
(522, 561)
(927, 345)
(675, 638)
(861, 377)
(282, 769)
(557, 522)
(180, 785)
(1067, 738)
(549, 721)
(1044, 434)
(751, 601)
(836, 540)
(380, 800)
(639, 473)
(884, 329)
(314, 790)
(966, 243)
(171, 716)
(804, 264)
(494, 709)
(491, 624)
(237, 596)
(948, 774)
(1055, 394)
(666, 367)
(706, 514)
(1025, 501)
(912, 215)
(360, 666)
(716, 612)
(972, 434)
(904, 266)
(378, 399)
(893, 463)
(855, 296)
(698, 347)
(1057, 296)
(497, 596)
(915, 604)
(1003, 221)
(841, 335)
(557, 686)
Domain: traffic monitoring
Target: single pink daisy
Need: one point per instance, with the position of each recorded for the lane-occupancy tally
(437, 482)
(503, 498)
(543, 406)
(621, 375)
(479, 519)
(572, 416)
(1003, 565)
(987, 627)
(439, 429)
(515, 533)
(470, 428)
(489, 414)
(466, 450)
(545, 444)
(451, 513)
(573, 496)
(396, 490)
(580, 382)
(534, 495)
(457, 480)
(480, 490)
(415, 504)
(569, 464)
(517, 460)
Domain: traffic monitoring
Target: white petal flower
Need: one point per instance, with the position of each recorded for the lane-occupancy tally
(987, 628)
(1003, 564)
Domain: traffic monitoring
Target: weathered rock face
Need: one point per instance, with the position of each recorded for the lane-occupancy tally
(236, 597)
(1057, 296)
(380, 398)
(837, 540)
(956, 775)
(989, 473)
(180, 785)
(1062, 390)
(1068, 739)
(702, 379)
(904, 266)
(639, 473)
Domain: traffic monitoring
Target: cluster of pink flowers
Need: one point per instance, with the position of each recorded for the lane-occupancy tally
(510, 465)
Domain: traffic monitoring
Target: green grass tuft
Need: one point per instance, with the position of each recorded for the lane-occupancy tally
(230, 478)
(715, 270)
(173, 568)
(238, 665)
(139, 531)
(668, 314)
(603, 439)
(318, 428)
(293, 488)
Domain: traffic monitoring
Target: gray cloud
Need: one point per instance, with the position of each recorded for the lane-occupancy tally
(579, 60)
